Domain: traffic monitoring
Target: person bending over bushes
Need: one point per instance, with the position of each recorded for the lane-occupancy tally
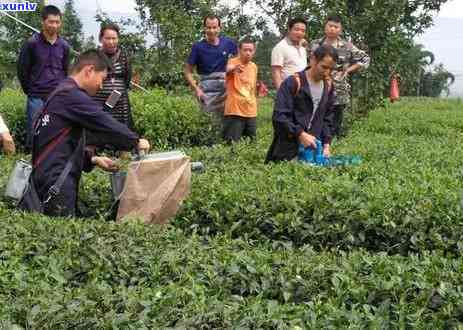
(303, 110)
(59, 137)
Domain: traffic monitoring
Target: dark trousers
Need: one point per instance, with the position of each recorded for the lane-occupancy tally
(236, 127)
(337, 119)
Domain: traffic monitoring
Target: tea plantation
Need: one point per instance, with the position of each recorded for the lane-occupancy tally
(255, 246)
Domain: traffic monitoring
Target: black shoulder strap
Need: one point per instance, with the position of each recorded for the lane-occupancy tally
(56, 188)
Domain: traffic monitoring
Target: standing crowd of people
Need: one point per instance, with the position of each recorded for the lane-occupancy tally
(311, 79)
(72, 112)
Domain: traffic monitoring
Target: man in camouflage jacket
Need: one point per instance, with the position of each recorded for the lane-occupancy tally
(350, 60)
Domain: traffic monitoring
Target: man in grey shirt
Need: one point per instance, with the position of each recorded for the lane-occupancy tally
(303, 110)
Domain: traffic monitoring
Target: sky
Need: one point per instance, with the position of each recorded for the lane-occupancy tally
(444, 39)
(117, 6)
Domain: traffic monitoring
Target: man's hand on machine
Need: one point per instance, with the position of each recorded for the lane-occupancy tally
(105, 163)
(143, 145)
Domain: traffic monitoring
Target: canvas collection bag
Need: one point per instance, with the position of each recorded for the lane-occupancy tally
(155, 188)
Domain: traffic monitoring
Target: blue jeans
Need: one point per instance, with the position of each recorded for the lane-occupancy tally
(34, 104)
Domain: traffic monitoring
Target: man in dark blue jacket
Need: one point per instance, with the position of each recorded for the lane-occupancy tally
(67, 113)
(303, 110)
(42, 64)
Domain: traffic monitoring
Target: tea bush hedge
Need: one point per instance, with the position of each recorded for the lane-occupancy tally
(405, 197)
(257, 246)
(165, 120)
(95, 275)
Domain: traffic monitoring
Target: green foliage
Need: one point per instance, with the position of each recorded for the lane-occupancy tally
(12, 37)
(265, 43)
(167, 121)
(411, 67)
(254, 246)
(66, 274)
(170, 80)
(384, 28)
(436, 82)
(170, 121)
(416, 75)
(13, 111)
(404, 197)
(72, 26)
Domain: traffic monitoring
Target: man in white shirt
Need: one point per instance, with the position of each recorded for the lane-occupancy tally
(289, 55)
(303, 110)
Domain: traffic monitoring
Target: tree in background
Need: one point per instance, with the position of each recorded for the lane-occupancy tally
(417, 76)
(436, 82)
(265, 43)
(175, 25)
(384, 28)
(414, 62)
(71, 29)
(12, 37)
(89, 43)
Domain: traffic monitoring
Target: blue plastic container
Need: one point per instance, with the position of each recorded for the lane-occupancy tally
(309, 155)
(316, 158)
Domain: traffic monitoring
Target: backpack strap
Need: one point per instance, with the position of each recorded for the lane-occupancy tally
(52, 145)
(55, 189)
(298, 84)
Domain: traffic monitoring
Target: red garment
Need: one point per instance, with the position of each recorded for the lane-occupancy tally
(394, 94)
(262, 89)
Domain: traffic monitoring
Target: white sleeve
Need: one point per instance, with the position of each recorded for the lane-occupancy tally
(278, 56)
(3, 128)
